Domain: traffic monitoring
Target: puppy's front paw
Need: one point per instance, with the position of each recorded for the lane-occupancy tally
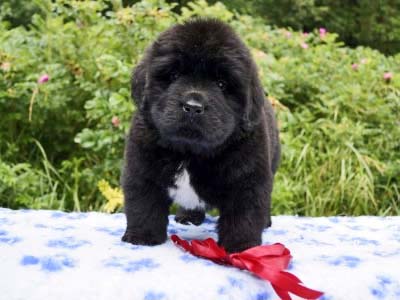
(238, 246)
(149, 239)
(268, 222)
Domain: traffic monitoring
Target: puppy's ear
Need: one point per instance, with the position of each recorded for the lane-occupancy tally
(255, 102)
(138, 83)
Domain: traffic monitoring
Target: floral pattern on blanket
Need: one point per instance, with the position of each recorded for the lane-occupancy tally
(56, 255)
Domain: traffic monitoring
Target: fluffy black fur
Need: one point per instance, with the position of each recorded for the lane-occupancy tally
(228, 142)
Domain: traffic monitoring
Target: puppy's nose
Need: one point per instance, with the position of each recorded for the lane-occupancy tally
(193, 107)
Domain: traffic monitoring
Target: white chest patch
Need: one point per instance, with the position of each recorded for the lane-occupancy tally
(183, 193)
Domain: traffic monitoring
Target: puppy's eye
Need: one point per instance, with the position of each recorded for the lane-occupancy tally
(174, 76)
(221, 84)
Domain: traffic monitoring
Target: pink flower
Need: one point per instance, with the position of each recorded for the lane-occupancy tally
(322, 32)
(44, 78)
(305, 34)
(5, 66)
(304, 45)
(354, 67)
(388, 76)
(115, 121)
(288, 34)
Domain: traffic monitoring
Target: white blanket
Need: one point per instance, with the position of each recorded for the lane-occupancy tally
(55, 255)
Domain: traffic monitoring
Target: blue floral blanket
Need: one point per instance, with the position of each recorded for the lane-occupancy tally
(56, 255)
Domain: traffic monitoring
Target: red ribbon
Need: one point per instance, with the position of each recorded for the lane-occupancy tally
(267, 261)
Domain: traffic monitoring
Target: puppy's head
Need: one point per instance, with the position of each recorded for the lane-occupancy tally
(198, 85)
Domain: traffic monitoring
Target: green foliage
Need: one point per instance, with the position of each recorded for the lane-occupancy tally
(18, 12)
(88, 57)
(339, 117)
(364, 22)
(297, 14)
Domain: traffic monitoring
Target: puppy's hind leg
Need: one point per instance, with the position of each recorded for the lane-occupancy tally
(185, 216)
(191, 208)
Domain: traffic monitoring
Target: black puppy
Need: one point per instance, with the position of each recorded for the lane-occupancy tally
(202, 123)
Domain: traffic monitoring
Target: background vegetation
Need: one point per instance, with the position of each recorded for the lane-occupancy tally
(65, 106)
(358, 22)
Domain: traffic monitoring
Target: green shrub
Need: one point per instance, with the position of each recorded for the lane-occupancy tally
(18, 12)
(364, 22)
(339, 117)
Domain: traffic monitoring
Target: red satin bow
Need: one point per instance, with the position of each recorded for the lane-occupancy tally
(267, 261)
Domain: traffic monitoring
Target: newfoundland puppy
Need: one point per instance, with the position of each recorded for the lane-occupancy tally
(203, 136)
